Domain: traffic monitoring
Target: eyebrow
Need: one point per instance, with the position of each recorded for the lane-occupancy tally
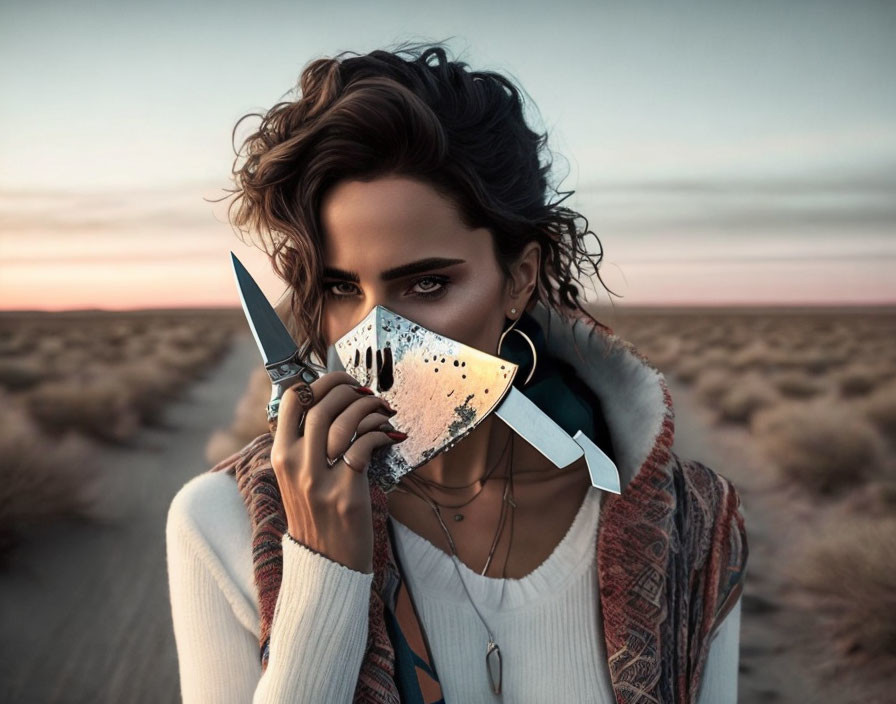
(398, 272)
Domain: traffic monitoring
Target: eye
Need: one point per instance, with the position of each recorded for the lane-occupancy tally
(330, 289)
(430, 286)
(433, 286)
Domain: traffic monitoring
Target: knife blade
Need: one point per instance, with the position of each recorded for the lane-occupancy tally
(543, 433)
(283, 360)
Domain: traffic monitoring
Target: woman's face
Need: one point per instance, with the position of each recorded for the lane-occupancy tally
(397, 242)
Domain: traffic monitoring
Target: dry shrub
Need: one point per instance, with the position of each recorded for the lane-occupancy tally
(796, 384)
(880, 408)
(823, 446)
(756, 355)
(21, 374)
(689, 369)
(41, 479)
(712, 384)
(716, 357)
(876, 498)
(150, 386)
(181, 337)
(857, 381)
(818, 361)
(104, 373)
(17, 343)
(853, 568)
(50, 346)
(101, 408)
(664, 354)
(73, 365)
(749, 394)
(250, 419)
(188, 363)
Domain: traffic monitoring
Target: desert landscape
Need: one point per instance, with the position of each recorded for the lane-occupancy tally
(106, 415)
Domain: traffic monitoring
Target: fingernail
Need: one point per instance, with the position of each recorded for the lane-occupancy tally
(364, 390)
(399, 436)
(387, 427)
(389, 411)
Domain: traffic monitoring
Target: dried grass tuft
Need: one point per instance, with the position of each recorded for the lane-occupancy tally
(749, 394)
(853, 568)
(880, 408)
(712, 384)
(101, 409)
(250, 419)
(41, 479)
(857, 381)
(796, 384)
(824, 447)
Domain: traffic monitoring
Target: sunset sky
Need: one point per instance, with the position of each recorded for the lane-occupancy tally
(722, 152)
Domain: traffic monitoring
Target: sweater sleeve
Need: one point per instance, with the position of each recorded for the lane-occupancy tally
(318, 632)
(719, 684)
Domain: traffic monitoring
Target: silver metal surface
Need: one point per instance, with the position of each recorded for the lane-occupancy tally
(440, 388)
(273, 339)
(604, 474)
(283, 360)
(538, 429)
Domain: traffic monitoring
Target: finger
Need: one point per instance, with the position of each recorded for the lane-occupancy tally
(347, 424)
(361, 450)
(291, 408)
(375, 421)
(324, 414)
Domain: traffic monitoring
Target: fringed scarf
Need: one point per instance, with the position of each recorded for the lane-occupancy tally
(671, 555)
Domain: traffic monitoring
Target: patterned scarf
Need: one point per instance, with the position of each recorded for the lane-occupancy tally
(671, 555)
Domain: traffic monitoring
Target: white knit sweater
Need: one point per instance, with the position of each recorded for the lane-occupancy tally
(547, 624)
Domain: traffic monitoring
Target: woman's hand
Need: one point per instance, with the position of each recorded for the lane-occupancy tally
(328, 508)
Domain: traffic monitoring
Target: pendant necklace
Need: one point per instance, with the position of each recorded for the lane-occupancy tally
(493, 662)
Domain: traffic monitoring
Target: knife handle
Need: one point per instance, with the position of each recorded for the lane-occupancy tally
(284, 375)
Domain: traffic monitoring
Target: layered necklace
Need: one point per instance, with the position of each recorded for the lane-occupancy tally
(493, 663)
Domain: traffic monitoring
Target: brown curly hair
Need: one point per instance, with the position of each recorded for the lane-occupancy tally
(363, 116)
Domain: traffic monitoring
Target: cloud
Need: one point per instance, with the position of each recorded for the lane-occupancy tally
(173, 209)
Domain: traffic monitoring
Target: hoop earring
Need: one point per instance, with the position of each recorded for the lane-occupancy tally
(531, 346)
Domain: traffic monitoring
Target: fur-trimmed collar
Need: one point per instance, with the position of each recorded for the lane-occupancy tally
(634, 396)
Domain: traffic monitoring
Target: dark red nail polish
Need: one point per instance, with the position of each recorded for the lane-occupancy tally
(364, 390)
(397, 435)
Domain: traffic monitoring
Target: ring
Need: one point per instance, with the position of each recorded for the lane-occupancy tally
(304, 392)
(342, 456)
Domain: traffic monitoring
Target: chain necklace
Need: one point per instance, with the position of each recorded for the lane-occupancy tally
(493, 662)
(414, 478)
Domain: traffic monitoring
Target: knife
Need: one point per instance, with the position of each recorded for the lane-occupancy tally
(284, 361)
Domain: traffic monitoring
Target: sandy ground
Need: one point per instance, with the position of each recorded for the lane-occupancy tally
(786, 654)
(85, 615)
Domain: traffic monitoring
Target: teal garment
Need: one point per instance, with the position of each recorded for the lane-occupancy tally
(407, 662)
(555, 388)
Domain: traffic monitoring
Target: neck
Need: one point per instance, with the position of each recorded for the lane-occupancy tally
(472, 457)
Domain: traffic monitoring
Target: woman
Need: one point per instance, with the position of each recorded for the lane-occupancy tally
(486, 573)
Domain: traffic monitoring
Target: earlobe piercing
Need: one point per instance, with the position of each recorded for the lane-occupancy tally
(513, 311)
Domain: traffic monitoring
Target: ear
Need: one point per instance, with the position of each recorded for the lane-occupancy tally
(523, 280)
